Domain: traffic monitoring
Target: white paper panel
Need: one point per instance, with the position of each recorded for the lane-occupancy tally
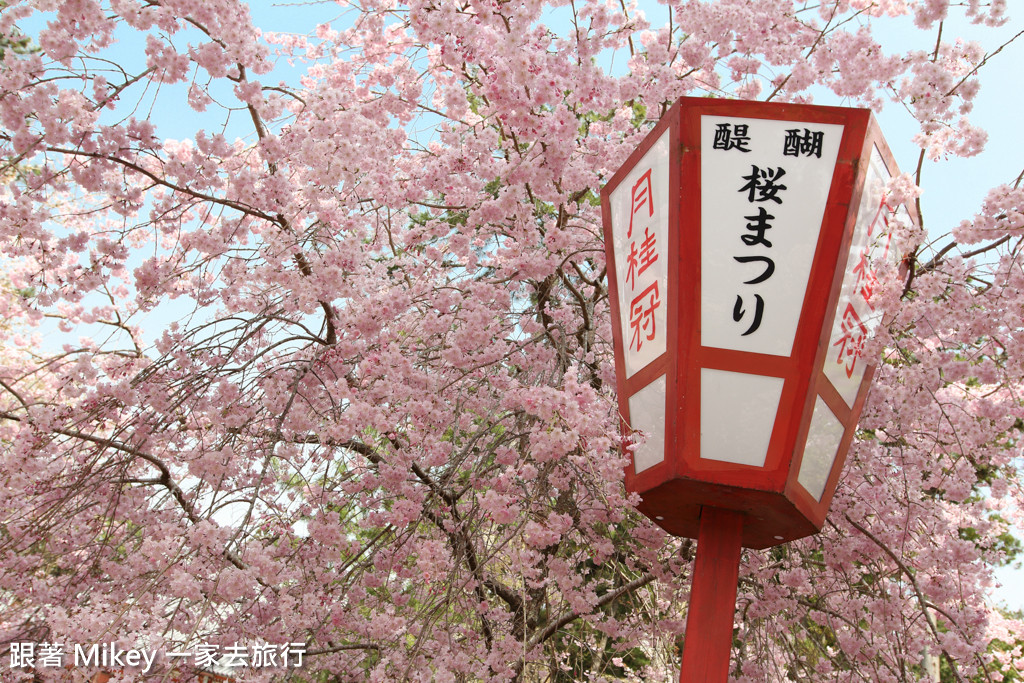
(647, 414)
(823, 437)
(639, 208)
(855, 318)
(737, 413)
(764, 187)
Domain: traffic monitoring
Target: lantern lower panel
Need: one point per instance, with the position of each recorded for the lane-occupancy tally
(823, 438)
(771, 518)
(737, 414)
(647, 413)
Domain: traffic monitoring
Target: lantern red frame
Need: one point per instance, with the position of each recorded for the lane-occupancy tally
(776, 507)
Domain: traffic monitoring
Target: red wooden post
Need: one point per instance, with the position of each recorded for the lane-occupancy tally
(713, 597)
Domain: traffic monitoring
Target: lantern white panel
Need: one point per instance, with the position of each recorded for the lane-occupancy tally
(764, 187)
(647, 414)
(823, 437)
(737, 413)
(639, 208)
(855, 317)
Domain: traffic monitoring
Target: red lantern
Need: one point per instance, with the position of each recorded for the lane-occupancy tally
(742, 240)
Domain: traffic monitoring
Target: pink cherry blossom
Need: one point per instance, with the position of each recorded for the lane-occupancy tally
(307, 340)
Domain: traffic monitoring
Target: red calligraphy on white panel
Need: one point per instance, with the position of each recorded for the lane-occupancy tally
(851, 343)
(642, 194)
(641, 316)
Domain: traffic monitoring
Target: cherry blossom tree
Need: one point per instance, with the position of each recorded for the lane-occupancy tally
(307, 342)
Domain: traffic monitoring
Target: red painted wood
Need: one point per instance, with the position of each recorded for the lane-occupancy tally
(713, 597)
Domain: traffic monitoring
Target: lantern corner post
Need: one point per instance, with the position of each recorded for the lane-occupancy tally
(709, 619)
